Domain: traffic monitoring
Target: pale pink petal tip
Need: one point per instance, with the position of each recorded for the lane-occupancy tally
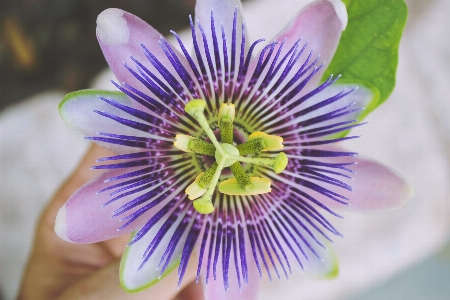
(112, 27)
(341, 12)
(82, 220)
(61, 224)
(377, 188)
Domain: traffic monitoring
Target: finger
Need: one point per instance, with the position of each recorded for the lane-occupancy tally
(81, 175)
(192, 291)
(52, 256)
(46, 241)
(104, 284)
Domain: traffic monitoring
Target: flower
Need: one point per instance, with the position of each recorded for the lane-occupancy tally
(182, 119)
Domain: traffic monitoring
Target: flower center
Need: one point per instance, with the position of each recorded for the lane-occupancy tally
(228, 151)
(228, 155)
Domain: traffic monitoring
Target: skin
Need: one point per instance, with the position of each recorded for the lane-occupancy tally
(57, 269)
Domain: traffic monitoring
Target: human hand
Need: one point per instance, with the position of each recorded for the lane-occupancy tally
(57, 269)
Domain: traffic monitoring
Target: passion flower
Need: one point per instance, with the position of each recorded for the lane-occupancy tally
(222, 151)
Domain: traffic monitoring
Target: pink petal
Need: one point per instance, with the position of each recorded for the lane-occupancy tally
(321, 24)
(119, 34)
(76, 109)
(363, 96)
(376, 187)
(215, 289)
(223, 14)
(82, 219)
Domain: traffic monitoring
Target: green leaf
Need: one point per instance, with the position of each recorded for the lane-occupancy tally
(368, 49)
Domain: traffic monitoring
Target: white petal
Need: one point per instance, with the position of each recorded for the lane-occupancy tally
(77, 111)
(134, 280)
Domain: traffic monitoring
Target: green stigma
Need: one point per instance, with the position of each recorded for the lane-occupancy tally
(226, 155)
(195, 106)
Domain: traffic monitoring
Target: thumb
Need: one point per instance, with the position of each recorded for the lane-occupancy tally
(104, 284)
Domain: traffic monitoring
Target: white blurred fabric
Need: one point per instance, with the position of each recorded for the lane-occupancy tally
(410, 133)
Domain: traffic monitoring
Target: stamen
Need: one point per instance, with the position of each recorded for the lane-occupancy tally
(251, 146)
(189, 143)
(205, 180)
(226, 131)
(202, 147)
(204, 204)
(242, 178)
(258, 186)
(182, 142)
(196, 109)
(273, 142)
(225, 120)
(194, 190)
(228, 111)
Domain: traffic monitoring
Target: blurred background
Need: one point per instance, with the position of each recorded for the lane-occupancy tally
(48, 44)
(49, 48)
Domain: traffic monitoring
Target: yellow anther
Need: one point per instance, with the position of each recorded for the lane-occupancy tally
(227, 111)
(273, 142)
(232, 187)
(194, 190)
(182, 142)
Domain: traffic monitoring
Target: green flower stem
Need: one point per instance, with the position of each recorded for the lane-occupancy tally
(241, 176)
(267, 162)
(201, 147)
(278, 163)
(205, 126)
(196, 109)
